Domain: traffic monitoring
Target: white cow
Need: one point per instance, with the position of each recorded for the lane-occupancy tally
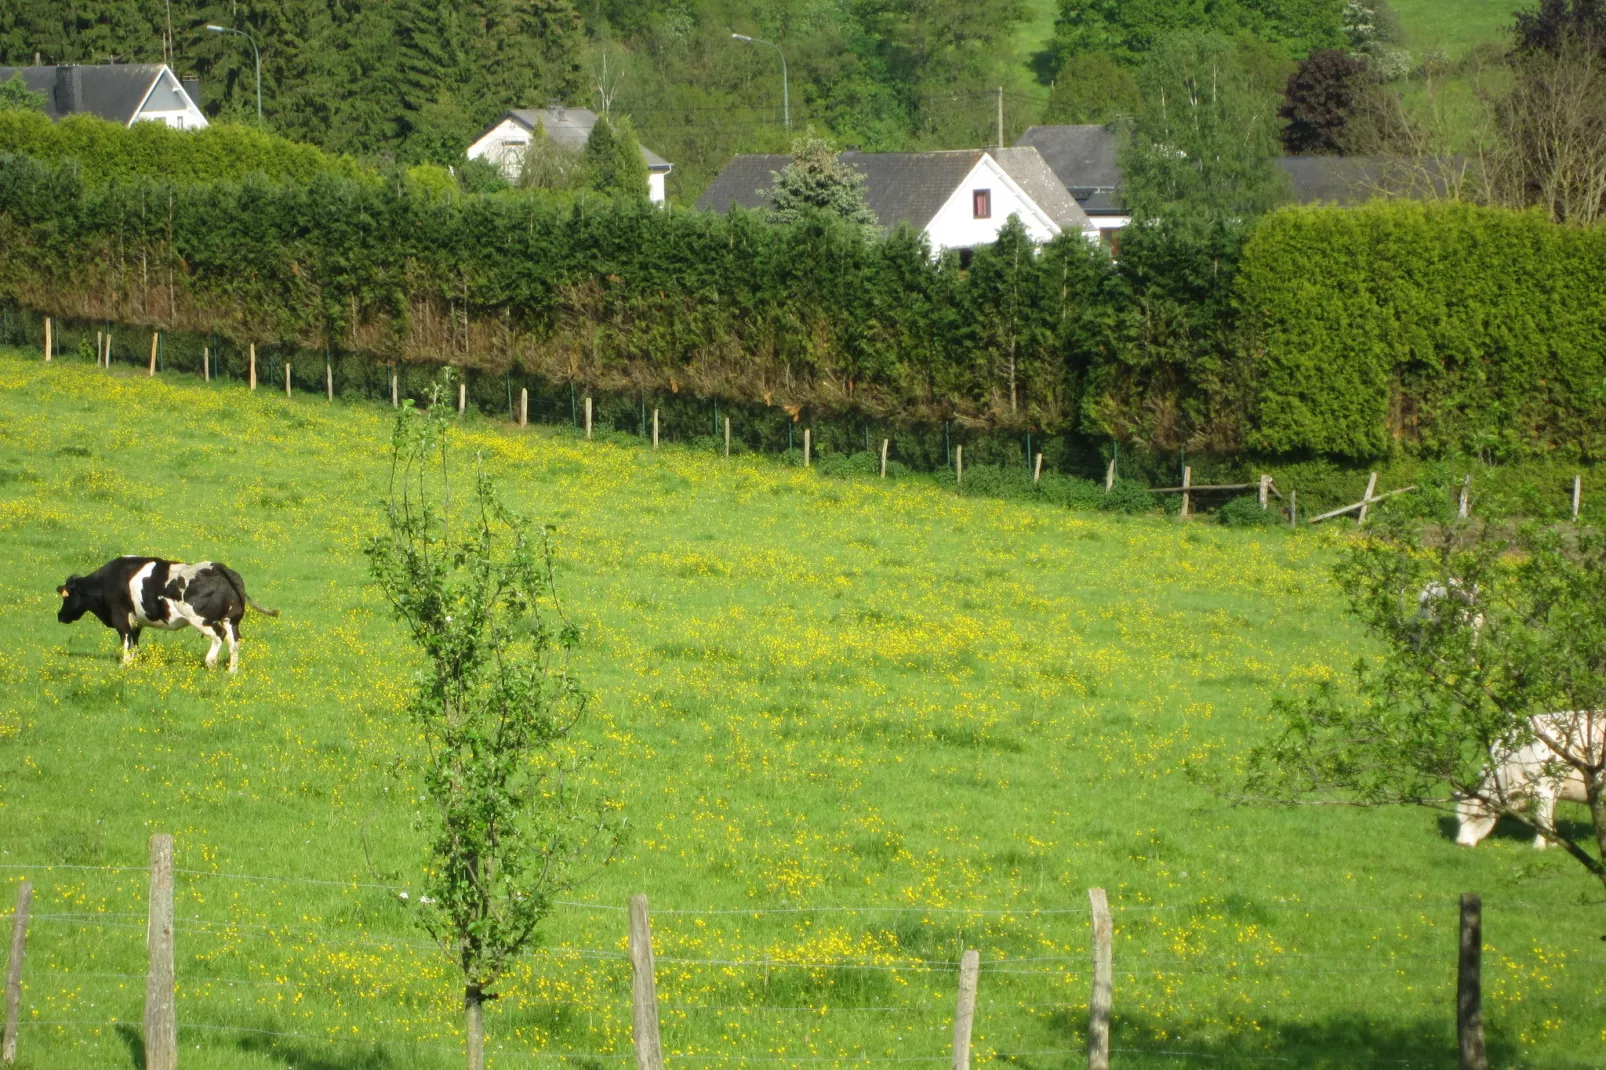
(1461, 601)
(1532, 772)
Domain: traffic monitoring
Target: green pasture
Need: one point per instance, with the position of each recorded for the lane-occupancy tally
(857, 727)
(1454, 26)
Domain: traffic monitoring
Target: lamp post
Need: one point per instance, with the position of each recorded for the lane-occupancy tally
(786, 101)
(254, 52)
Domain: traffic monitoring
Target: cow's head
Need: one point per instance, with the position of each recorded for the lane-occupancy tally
(74, 603)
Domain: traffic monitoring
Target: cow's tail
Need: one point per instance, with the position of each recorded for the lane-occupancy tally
(239, 588)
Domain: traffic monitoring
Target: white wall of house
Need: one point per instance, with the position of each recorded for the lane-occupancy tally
(503, 145)
(168, 103)
(957, 226)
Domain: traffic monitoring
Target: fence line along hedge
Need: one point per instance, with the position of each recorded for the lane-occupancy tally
(1344, 333)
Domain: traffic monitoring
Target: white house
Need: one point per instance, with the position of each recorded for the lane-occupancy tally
(504, 141)
(125, 93)
(958, 199)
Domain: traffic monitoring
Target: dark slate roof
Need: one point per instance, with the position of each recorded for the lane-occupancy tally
(569, 128)
(1083, 157)
(1026, 167)
(900, 187)
(112, 91)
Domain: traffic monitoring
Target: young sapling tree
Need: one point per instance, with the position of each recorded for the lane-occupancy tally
(511, 823)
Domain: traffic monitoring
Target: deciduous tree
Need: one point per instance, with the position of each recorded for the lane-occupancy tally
(1319, 100)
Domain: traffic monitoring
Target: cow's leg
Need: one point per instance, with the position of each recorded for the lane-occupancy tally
(1544, 813)
(1477, 821)
(233, 635)
(128, 647)
(215, 632)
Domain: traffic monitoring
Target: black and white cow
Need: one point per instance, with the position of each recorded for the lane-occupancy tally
(130, 593)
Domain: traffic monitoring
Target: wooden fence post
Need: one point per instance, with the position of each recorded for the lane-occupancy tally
(644, 989)
(1469, 986)
(965, 1012)
(252, 372)
(1109, 476)
(329, 380)
(1366, 499)
(48, 350)
(108, 349)
(150, 370)
(1466, 496)
(524, 406)
(959, 466)
(1578, 494)
(206, 364)
(808, 446)
(19, 941)
(727, 437)
(100, 347)
(287, 378)
(1098, 1006)
(161, 1017)
(395, 389)
(588, 419)
(1265, 490)
(1293, 508)
(462, 396)
(1187, 481)
(655, 428)
(1037, 469)
(884, 444)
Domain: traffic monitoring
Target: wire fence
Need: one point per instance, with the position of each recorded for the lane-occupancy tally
(255, 966)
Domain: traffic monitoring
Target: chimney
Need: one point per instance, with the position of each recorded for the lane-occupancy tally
(69, 90)
(192, 89)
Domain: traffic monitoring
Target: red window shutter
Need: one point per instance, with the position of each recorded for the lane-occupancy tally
(982, 203)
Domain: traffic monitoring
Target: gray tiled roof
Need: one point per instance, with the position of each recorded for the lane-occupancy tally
(569, 128)
(900, 187)
(112, 91)
(1032, 174)
(1083, 158)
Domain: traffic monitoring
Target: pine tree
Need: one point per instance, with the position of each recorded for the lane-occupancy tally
(818, 181)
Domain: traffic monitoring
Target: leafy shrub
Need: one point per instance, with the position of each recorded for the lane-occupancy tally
(1246, 513)
(849, 464)
(1128, 496)
(1071, 492)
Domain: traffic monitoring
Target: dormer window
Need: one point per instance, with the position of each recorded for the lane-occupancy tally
(981, 201)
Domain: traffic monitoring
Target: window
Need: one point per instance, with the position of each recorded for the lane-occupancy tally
(981, 201)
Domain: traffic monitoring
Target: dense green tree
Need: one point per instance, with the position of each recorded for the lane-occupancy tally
(614, 161)
(816, 180)
(1129, 30)
(1092, 88)
(1204, 144)
(16, 96)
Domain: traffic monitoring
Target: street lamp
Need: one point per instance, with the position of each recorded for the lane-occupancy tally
(786, 102)
(255, 52)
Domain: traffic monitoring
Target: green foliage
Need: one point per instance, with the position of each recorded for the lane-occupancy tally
(1129, 496)
(1131, 30)
(613, 162)
(1092, 88)
(1320, 100)
(494, 708)
(16, 96)
(548, 166)
(1444, 326)
(109, 152)
(817, 181)
(480, 176)
(1247, 513)
(1204, 145)
(1514, 631)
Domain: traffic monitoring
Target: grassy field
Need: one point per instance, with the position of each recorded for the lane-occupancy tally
(858, 729)
(1454, 26)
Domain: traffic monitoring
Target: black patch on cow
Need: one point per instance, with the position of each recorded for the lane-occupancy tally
(151, 606)
(213, 595)
(175, 588)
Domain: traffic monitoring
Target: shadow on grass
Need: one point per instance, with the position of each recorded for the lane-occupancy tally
(1510, 828)
(134, 1041)
(1338, 1041)
(287, 1051)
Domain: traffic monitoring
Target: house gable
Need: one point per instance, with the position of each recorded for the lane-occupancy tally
(956, 226)
(504, 142)
(118, 92)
